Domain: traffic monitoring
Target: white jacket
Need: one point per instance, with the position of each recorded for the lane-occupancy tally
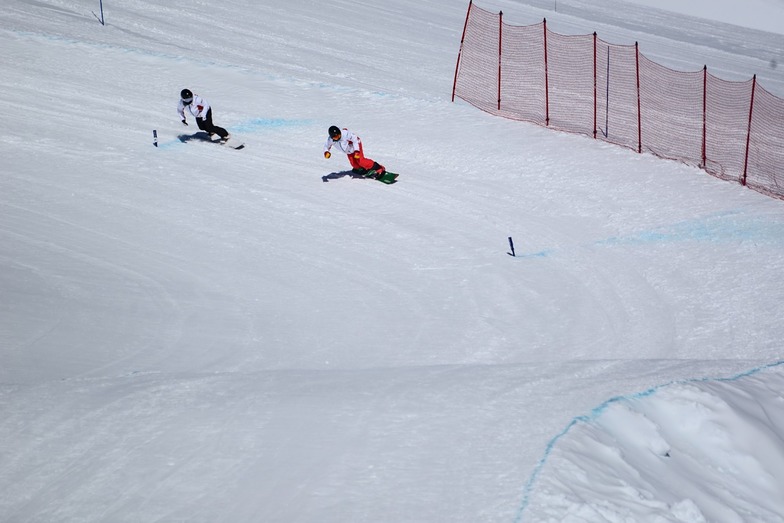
(348, 143)
(198, 107)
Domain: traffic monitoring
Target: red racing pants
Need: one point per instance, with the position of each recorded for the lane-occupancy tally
(358, 161)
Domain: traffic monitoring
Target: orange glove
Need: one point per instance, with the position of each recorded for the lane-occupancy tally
(327, 154)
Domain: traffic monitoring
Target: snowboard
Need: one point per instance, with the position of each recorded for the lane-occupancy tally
(387, 178)
(233, 144)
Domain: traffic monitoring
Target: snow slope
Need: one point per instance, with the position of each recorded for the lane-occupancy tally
(193, 333)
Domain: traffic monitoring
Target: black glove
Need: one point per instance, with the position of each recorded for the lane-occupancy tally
(184, 122)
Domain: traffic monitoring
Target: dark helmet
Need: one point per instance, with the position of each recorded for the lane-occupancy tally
(186, 95)
(334, 133)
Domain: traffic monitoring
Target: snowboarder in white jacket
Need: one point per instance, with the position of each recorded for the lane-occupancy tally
(350, 144)
(200, 108)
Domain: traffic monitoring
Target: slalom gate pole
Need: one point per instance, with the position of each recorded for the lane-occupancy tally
(511, 246)
(101, 20)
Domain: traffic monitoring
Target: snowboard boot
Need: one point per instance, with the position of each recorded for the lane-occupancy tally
(380, 170)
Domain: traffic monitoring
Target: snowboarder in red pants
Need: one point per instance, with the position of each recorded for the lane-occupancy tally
(350, 144)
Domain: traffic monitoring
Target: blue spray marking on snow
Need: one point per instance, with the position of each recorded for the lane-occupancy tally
(540, 254)
(721, 227)
(261, 124)
(598, 411)
(726, 226)
(255, 125)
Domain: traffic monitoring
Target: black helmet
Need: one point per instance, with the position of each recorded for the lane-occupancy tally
(186, 95)
(334, 133)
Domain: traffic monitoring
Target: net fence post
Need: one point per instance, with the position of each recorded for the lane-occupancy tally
(704, 117)
(594, 85)
(748, 133)
(460, 51)
(546, 78)
(639, 103)
(500, 38)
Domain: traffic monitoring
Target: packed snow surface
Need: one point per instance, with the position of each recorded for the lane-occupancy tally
(193, 333)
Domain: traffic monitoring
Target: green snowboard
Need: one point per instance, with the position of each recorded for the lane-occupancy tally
(387, 177)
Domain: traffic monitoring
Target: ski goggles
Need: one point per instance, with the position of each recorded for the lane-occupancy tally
(186, 101)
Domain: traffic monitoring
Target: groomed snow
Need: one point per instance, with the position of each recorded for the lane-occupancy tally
(193, 333)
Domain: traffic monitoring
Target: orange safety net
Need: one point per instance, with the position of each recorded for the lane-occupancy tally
(613, 93)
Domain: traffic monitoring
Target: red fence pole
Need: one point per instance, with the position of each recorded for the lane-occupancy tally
(594, 85)
(460, 52)
(748, 134)
(546, 80)
(704, 116)
(500, 35)
(639, 105)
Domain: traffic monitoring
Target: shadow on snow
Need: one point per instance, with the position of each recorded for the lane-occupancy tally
(198, 137)
(342, 174)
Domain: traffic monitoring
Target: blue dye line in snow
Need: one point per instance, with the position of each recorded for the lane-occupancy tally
(598, 411)
(248, 127)
(260, 124)
(720, 227)
(724, 226)
(540, 254)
